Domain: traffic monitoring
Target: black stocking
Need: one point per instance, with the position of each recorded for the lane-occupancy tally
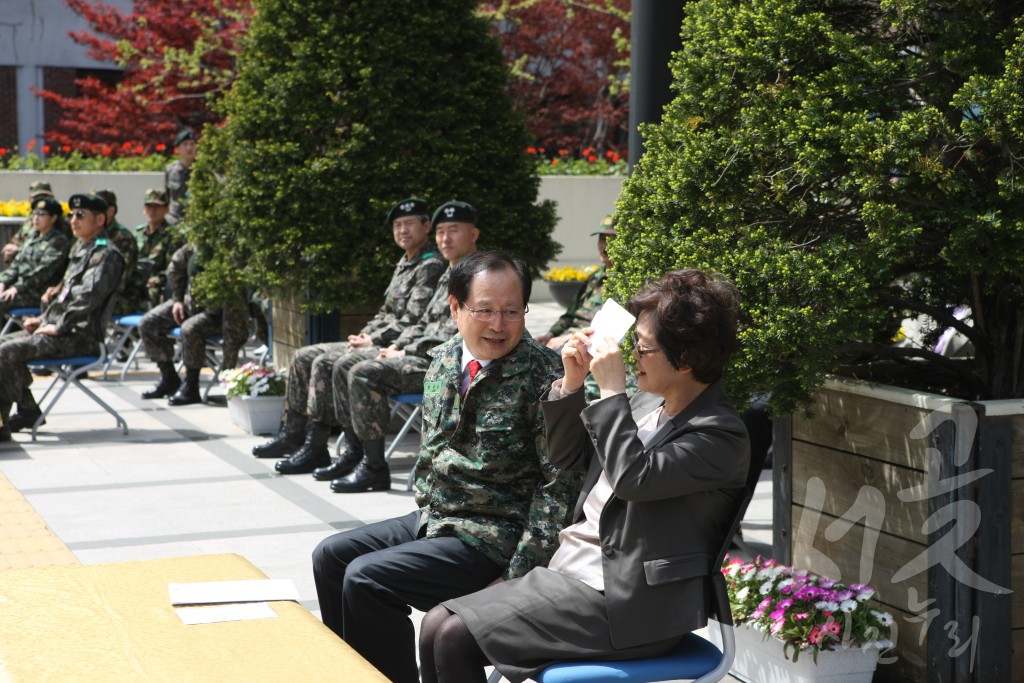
(448, 651)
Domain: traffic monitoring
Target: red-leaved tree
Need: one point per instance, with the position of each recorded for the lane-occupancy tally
(176, 56)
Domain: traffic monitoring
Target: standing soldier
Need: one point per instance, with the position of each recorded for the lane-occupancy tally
(26, 232)
(41, 261)
(127, 300)
(398, 369)
(178, 174)
(156, 241)
(231, 319)
(588, 300)
(73, 324)
(310, 407)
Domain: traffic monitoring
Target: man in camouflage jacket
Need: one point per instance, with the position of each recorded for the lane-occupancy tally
(157, 241)
(73, 323)
(398, 369)
(229, 318)
(490, 505)
(127, 301)
(311, 406)
(39, 263)
(178, 174)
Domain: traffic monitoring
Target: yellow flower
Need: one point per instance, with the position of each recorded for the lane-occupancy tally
(569, 274)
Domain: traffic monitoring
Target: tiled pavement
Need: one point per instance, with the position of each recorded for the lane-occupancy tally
(183, 482)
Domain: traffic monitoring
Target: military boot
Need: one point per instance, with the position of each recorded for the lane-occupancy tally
(346, 462)
(312, 454)
(168, 384)
(5, 428)
(372, 474)
(28, 413)
(188, 392)
(285, 443)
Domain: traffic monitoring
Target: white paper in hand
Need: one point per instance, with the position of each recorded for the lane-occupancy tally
(612, 320)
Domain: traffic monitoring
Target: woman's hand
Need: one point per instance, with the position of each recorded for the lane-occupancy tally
(607, 367)
(576, 360)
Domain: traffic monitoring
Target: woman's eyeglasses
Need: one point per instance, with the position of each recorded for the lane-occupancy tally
(638, 349)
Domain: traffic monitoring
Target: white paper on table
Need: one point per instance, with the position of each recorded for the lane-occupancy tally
(247, 611)
(212, 592)
(611, 320)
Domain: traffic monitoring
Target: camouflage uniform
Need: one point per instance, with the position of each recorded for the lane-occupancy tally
(39, 264)
(176, 177)
(581, 311)
(231, 321)
(370, 382)
(27, 231)
(482, 475)
(317, 377)
(156, 246)
(127, 300)
(78, 312)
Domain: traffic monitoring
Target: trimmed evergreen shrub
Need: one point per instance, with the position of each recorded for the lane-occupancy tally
(847, 163)
(339, 111)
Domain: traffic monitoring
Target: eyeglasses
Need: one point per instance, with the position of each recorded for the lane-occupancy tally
(41, 212)
(511, 315)
(641, 352)
(76, 214)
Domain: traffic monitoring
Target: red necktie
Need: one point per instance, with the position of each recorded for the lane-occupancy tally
(473, 367)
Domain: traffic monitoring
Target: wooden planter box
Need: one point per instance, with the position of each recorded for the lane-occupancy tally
(889, 487)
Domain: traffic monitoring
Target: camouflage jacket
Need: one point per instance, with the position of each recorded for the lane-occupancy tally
(91, 279)
(27, 231)
(157, 246)
(583, 308)
(176, 177)
(177, 275)
(483, 474)
(412, 286)
(434, 328)
(39, 264)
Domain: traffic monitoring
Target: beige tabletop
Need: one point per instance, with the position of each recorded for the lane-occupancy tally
(114, 622)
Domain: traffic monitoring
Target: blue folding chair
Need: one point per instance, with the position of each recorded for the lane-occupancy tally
(122, 334)
(16, 315)
(69, 371)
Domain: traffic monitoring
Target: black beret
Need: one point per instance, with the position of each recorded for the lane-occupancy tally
(47, 204)
(408, 207)
(183, 135)
(87, 201)
(454, 210)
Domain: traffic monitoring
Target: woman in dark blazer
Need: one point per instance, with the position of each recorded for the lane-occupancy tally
(664, 473)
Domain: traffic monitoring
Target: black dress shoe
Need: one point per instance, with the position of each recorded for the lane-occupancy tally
(281, 447)
(304, 461)
(25, 420)
(362, 478)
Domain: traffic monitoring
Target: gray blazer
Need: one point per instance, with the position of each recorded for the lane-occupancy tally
(671, 505)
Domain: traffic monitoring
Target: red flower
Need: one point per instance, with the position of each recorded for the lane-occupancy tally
(531, 150)
(615, 157)
(126, 146)
(588, 151)
(3, 151)
(31, 144)
(106, 150)
(591, 158)
(139, 149)
(66, 148)
(46, 149)
(609, 154)
(161, 147)
(562, 152)
(554, 162)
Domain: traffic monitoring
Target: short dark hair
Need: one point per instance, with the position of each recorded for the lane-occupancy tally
(484, 261)
(694, 317)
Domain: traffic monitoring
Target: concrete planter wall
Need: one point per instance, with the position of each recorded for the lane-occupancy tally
(916, 495)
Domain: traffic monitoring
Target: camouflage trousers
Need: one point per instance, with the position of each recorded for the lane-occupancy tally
(370, 382)
(15, 349)
(25, 298)
(310, 394)
(197, 326)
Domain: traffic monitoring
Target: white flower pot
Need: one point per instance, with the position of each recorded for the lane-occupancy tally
(761, 661)
(256, 414)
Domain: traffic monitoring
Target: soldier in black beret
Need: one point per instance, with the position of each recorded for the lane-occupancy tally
(178, 174)
(73, 323)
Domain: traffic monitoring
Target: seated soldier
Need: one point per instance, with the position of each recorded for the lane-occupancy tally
(40, 262)
(157, 241)
(124, 240)
(72, 324)
(311, 410)
(27, 231)
(398, 369)
(231, 318)
(588, 300)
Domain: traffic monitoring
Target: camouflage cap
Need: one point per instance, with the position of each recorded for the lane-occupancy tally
(183, 135)
(607, 227)
(39, 188)
(47, 204)
(88, 201)
(455, 211)
(107, 195)
(408, 207)
(155, 196)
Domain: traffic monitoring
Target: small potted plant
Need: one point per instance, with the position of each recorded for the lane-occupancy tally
(783, 614)
(565, 282)
(255, 396)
